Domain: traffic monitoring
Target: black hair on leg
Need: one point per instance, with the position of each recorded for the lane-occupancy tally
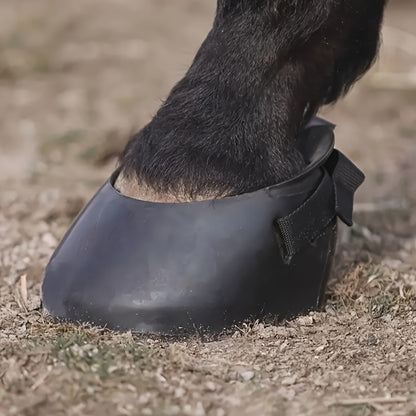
(266, 66)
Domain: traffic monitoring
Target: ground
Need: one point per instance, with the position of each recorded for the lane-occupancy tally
(76, 78)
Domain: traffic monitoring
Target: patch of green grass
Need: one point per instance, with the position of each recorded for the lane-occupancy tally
(382, 305)
(78, 351)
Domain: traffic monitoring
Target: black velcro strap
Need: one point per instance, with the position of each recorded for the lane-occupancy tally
(308, 221)
(347, 178)
(333, 197)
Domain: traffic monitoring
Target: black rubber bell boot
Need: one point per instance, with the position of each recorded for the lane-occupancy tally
(168, 268)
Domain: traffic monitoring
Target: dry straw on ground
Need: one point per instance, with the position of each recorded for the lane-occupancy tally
(65, 84)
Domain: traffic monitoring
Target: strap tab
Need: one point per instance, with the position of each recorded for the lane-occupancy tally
(333, 197)
(347, 178)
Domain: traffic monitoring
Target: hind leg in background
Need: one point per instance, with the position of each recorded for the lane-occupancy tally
(265, 68)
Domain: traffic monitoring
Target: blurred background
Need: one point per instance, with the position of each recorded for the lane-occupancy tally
(77, 78)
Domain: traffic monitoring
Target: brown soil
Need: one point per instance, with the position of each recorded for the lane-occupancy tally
(75, 79)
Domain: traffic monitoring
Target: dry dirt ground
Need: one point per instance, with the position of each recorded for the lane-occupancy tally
(75, 79)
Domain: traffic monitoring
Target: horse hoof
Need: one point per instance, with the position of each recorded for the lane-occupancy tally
(128, 264)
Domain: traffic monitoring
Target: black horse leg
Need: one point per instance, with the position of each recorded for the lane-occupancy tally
(266, 66)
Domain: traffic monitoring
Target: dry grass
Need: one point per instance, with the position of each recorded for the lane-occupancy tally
(66, 83)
